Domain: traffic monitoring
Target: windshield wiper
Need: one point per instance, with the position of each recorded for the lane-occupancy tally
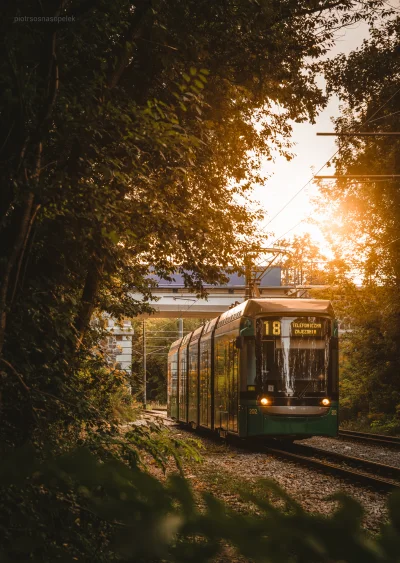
(302, 393)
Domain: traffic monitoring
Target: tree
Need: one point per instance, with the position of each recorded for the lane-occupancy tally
(126, 139)
(303, 264)
(365, 223)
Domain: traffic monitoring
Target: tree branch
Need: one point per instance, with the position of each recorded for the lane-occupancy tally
(127, 44)
(309, 12)
(23, 250)
(17, 375)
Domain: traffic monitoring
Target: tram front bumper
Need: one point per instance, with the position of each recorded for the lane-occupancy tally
(257, 421)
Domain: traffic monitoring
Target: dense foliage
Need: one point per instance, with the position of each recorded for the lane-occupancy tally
(302, 262)
(129, 142)
(365, 227)
(74, 508)
(130, 136)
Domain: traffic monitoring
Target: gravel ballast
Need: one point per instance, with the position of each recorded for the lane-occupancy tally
(226, 470)
(379, 454)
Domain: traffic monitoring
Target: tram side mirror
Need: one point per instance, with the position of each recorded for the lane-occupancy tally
(239, 342)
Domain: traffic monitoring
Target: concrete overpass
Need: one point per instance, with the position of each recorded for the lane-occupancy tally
(175, 301)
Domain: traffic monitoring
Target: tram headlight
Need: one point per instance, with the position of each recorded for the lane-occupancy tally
(326, 402)
(264, 401)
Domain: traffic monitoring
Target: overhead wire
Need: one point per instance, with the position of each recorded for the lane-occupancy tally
(384, 116)
(390, 6)
(370, 119)
(291, 229)
(389, 243)
(323, 166)
(297, 193)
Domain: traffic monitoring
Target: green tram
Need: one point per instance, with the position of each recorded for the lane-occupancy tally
(267, 367)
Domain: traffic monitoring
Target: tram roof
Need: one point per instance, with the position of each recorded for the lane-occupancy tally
(196, 334)
(175, 345)
(288, 305)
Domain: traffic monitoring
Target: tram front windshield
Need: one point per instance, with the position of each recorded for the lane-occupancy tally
(292, 356)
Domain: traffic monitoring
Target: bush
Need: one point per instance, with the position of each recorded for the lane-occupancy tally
(77, 508)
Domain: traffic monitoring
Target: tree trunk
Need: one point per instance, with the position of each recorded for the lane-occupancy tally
(88, 301)
(97, 263)
(24, 218)
(19, 244)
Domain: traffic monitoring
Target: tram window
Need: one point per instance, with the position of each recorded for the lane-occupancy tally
(335, 361)
(293, 355)
(250, 359)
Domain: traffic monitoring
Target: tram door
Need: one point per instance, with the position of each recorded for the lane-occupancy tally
(205, 384)
(172, 383)
(226, 385)
(182, 414)
(233, 380)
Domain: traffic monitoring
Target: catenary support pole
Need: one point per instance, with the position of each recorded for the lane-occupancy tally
(144, 365)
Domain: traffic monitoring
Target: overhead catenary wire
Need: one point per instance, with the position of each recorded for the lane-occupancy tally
(291, 228)
(384, 116)
(356, 270)
(360, 134)
(323, 166)
(297, 193)
(392, 7)
(389, 243)
(370, 119)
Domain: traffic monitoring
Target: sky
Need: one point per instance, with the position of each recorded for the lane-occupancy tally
(311, 153)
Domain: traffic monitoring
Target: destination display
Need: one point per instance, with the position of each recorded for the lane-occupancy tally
(297, 327)
(306, 329)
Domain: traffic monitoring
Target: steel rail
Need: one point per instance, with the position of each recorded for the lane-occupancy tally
(380, 439)
(367, 465)
(354, 475)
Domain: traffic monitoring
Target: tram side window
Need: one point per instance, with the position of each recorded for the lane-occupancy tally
(193, 373)
(249, 361)
(233, 374)
(203, 368)
(182, 377)
(335, 363)
(205, 388)
(220, 367)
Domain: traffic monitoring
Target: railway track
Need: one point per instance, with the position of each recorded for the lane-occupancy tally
(376, 475)
(378, 439)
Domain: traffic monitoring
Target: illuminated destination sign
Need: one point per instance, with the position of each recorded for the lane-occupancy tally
(297, 328)
(306, 329)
